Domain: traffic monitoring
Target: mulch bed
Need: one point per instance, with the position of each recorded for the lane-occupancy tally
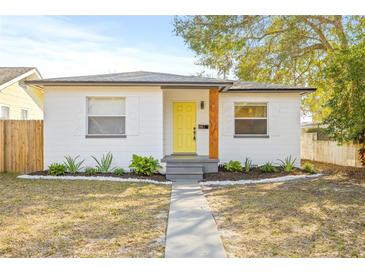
(255, 173)
(221, 175)
(156, 177)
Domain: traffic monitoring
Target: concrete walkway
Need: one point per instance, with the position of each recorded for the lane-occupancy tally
(191, 230)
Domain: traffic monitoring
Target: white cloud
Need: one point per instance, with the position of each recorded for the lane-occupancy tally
(59, 48)
(47, 27)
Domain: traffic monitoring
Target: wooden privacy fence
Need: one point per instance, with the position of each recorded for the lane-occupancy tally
(21, 145)
(328, 151)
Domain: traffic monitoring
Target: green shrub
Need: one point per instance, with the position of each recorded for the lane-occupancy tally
(103, 166)
(288, 164)
(248, 164)
(72, 165)
(89, 171)
(268, 167)
(308, 167)
(233, 166)
(144, 165)
(56, 169)
(118, 171)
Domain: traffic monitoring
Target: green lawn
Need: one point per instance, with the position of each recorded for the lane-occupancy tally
(45, 218)
(323, 217)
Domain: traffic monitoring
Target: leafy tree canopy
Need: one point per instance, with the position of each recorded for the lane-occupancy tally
(290, 50)
(346, 70)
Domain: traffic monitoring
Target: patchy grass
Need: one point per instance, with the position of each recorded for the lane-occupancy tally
(45, 218)
(323, 217)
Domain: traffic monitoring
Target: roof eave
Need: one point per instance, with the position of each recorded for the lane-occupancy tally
(129, 83)
(265, 90)
(20, 77)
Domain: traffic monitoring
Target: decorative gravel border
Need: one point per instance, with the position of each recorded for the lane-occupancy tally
(136, 180)
(259, 181)
(93, 178)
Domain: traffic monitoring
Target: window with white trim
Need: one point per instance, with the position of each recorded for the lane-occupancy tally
(250, 119)
(106, 116)
(4, 112)
(24, 114)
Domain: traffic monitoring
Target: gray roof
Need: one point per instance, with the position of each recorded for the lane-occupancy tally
(167, 79)
(257, 87)
(9, 73)
(136, 77)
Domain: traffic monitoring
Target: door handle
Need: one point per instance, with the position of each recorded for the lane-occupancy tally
(194, 133)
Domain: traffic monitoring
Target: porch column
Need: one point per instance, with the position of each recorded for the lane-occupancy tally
(213, 122)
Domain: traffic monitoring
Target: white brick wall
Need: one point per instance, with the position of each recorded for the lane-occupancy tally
(149, 125)
(65, 124)
(283, 129)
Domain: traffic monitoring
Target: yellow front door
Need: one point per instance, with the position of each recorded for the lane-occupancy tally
(184, 114)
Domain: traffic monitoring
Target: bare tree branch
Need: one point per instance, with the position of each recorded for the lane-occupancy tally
(340, 31)
(319, 32)
(305, 50)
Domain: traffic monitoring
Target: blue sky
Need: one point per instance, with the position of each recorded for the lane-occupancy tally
(79, 45)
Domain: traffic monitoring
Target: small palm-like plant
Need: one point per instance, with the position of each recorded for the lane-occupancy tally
(288, 164)
(72, 165)
(103, 166)
(268, 167)
(248, 164)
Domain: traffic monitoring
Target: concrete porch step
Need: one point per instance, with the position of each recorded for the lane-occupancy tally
(183, 168)
(182, 171)
(190, 161)
(184, 177)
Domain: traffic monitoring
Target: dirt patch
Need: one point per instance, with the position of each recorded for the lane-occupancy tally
(255, 173)
(157, 177)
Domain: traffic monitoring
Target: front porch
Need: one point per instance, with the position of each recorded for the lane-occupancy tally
(190, 132)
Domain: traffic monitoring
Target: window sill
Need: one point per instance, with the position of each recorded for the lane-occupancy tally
(251, 136)
(105, 136)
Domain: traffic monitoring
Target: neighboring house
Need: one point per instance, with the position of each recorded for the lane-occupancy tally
(17, 100)
(161, 114)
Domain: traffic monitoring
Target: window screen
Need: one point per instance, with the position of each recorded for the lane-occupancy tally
(250, 119)
(106, 116)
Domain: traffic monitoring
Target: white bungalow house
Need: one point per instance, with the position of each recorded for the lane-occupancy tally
(191, 123)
